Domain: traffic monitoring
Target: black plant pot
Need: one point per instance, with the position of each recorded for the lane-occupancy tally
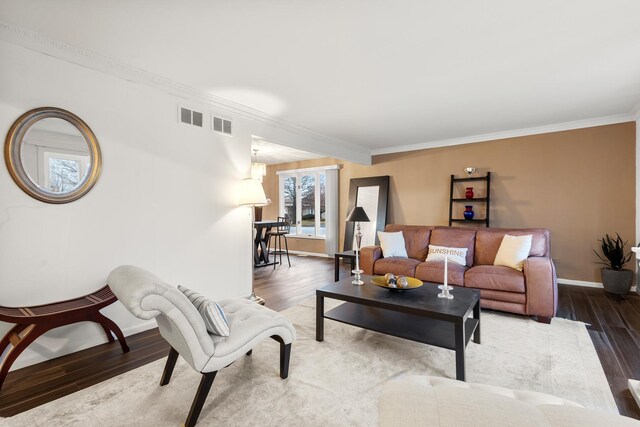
(617, 281)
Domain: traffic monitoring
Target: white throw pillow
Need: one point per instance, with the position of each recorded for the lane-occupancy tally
(392, 244)
(454, 255)
(514, 250)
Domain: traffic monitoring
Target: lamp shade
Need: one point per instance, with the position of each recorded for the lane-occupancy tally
(358, 215)
(251, 193)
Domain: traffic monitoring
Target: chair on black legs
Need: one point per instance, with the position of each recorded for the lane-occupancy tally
(147, 297)
(280, 232)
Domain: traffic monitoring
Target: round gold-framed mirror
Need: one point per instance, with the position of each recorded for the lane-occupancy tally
(52, 155)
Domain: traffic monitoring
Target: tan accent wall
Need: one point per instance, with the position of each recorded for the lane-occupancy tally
(579, 184)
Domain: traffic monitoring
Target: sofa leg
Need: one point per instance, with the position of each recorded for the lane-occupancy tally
(201, 395)
(168, 368)
(250, 352)
(542, 319)
(285, 356)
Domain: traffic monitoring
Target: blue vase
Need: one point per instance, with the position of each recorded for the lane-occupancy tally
(468, 213)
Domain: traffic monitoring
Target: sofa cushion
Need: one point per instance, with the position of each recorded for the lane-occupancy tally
(416, 239)
(488, 242)
(392, 244)
(513, 251)
(454, 255)
(454, 237)
(397, 266)
(494, 277)
(433, 271)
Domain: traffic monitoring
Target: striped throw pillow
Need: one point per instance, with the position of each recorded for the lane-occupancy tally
(211, 312)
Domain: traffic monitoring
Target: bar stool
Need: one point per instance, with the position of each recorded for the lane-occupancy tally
(284, 228)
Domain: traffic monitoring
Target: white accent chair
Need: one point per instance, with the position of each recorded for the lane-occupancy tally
(147, 297)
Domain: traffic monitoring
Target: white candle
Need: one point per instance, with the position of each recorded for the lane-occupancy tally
(445, 270)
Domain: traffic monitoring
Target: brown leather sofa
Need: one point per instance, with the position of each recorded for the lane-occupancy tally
(532, 292)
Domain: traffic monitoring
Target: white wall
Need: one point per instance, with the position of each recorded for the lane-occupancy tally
(165, 200)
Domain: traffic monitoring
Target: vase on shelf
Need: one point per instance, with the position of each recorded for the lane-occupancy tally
(468, 213)
(469, 193)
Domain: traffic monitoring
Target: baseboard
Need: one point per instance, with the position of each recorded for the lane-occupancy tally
(585, 283)
(310, 254)
(29, 358)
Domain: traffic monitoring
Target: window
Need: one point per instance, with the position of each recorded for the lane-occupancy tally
(63, 172)
(303, 201)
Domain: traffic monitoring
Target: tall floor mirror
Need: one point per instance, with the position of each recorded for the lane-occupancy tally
(372, 194)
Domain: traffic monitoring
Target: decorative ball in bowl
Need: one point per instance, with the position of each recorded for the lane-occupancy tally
(396, 283)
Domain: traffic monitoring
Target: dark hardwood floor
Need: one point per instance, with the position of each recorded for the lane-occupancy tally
(613, 324)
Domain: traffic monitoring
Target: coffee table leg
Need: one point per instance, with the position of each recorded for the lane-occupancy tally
(476, 315)
(460, 347)
(319, 318)
(337, 273)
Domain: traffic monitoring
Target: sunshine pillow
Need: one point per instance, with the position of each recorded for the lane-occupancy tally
(392, 244)
(454, 255)
(514, 250)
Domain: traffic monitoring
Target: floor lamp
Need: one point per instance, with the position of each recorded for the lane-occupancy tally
(252, 195)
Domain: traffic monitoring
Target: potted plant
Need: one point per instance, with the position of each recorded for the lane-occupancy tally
(615, 278)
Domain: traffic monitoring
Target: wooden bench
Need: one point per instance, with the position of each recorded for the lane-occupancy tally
(32, 322)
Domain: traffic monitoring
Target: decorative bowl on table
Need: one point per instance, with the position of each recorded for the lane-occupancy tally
(381, 281)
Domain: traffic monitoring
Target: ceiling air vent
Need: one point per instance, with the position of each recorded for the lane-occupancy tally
(190, 117)
(222, 125)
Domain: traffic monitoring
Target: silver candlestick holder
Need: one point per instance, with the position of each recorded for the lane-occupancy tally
(445, 292)
(445, 286)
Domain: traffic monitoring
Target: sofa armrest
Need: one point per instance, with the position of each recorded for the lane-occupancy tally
(541, 287)
(368, 257)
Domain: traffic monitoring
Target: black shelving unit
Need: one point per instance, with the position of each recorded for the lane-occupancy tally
(486, 201)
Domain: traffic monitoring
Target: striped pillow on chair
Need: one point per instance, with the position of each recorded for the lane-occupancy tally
(211, 312)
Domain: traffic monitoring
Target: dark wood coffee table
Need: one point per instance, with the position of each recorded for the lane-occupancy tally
(416, 314)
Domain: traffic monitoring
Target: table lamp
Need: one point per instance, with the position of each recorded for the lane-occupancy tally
(358, 215)
(252, 194)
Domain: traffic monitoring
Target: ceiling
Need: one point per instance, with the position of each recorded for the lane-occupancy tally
(379, 74)
(272, 154)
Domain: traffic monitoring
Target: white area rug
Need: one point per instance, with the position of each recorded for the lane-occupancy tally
(337, 382)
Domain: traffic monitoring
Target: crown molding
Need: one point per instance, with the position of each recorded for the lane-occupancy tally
(332, 147)
(537, 130)
(57, 49)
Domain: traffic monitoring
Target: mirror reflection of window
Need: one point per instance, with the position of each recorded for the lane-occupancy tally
(55, 156)
(367, 198)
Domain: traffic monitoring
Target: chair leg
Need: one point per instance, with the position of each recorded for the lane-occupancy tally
(201, 395)
(275, 252)
(268, 254)
(168, 367)
(285, 356)
(286, 245)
